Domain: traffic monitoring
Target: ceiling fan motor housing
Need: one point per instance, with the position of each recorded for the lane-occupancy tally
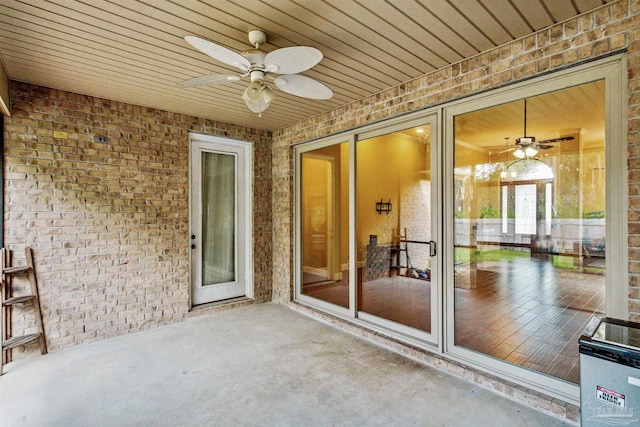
(257, 38)
(525, 140)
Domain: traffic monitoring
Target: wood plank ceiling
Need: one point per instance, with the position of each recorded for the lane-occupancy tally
(134, 51)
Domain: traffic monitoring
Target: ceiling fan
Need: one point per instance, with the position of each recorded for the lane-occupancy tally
(260, 65)
(527, 146)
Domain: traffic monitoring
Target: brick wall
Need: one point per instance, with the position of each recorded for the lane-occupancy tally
(612, 28)
(109, 222)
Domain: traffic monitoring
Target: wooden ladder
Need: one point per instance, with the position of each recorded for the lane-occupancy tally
(8, 301)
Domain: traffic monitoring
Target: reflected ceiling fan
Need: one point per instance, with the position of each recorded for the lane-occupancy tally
(260, 65)
(527, 146)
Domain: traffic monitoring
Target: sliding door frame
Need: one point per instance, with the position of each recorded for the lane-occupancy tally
(431, 119)
(298, 151)
(408, 334)
(441, 340)
(611, 70)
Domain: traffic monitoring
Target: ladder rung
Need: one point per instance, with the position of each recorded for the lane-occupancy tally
(20, 340)
(14, 270)
(8, 301)
(18, 300)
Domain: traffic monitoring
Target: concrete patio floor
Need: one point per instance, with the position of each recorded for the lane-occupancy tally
(262, 365)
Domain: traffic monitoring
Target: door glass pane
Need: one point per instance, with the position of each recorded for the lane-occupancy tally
(393, 187)
(530, 227)
(325, 224)
(218, 218)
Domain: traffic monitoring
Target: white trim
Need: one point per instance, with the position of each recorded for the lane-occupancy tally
(244, 159)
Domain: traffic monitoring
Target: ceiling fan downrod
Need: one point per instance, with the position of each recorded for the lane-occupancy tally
(257, 38)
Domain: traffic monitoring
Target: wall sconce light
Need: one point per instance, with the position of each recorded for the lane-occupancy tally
(383, 207)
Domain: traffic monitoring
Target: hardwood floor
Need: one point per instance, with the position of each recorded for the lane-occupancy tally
(524, 311)
(400, 299)
(529, 313)
(335, 292)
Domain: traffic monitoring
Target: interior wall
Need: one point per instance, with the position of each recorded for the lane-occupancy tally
(109, 221)
(607, 30)
(374, 183)
(386, 171)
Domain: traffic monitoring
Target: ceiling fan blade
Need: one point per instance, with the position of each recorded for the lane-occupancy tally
(208, 80)
(219, 53)
(543, 146)
(305, 87)
(257, 107)
(292, 60)
(507, 150)
(550, 141)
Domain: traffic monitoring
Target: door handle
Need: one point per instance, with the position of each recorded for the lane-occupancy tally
(432, 248)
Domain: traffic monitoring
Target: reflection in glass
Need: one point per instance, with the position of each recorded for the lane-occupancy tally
(325, 224)
(394, 280)
(530, 234)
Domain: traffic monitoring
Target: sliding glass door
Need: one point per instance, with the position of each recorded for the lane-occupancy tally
(529, 227)
(324, 223)
(532, 210)
(396, 229)
(491, 241)
(367, 227)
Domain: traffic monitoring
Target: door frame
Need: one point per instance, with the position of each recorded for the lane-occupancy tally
(330, 201)
(244, 209)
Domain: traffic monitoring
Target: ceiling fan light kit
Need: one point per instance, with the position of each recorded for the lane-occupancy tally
(525, 152)
(527, 147)
(253, 92)
(259, 65)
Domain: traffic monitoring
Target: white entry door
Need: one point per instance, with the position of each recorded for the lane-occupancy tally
(220, 218)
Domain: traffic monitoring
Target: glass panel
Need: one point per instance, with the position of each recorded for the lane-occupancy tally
(393, 187)
(325, 224)
(529, 274)
(526, 209)
(218, 218)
